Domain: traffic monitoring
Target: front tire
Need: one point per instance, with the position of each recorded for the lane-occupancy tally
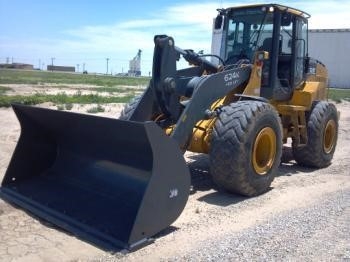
(246, 147)
(322, 134)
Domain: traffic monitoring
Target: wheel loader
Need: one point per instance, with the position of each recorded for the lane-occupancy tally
(118, 182)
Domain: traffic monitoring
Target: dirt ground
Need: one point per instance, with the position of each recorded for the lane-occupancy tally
(209, 216)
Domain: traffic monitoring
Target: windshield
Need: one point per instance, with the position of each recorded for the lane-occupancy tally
(249, 30)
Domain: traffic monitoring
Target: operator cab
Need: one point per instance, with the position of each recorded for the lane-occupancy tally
(279, 30)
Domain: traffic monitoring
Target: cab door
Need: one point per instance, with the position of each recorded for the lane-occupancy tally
(299, 51)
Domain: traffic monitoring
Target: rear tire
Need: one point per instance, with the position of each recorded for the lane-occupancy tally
(246, 147)
(130, 108)
(322, 133)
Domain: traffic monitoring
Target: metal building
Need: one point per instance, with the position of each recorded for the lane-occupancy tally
(332, 48)
(17, 66)
(61, 68)
(135, 65)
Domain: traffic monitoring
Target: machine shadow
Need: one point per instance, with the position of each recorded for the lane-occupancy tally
(202, 181)
(288, 166)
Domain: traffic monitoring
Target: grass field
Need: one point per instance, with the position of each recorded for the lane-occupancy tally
(339, 94)
(3, 89)
(5, 101)
(12, 76)
(124, 86)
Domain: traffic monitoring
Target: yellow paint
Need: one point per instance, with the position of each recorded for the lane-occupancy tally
(293, 117)
(321, 74)
(310, 92)
(254, 83)
(264, 151)
(202, 132)
(292, 112)
(200, 141)
(329, 137)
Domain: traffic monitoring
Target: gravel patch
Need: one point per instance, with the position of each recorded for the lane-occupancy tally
(319, 232)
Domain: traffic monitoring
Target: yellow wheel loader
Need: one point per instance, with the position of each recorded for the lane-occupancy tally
(118, 182)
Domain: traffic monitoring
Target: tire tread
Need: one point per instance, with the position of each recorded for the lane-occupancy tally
(228, 154)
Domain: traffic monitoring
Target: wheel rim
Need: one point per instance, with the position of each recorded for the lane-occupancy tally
(264, 151)
(329, 136)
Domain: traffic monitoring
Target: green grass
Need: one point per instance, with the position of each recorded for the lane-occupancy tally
(96, 109)
(338, 95)
(69, 106)
(5, 101)
(3, 89)
(13, 76)
(115, 89)
(103, 83)
(65, 107)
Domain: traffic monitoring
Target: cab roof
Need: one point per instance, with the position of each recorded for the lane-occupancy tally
(280, 7)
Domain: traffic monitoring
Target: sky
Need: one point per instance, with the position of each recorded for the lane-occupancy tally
(85, 33)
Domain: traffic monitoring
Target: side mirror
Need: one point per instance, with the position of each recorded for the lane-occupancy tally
(218, 22)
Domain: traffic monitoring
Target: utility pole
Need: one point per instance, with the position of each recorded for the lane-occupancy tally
(52, 58)
(107, 59)
(83, 67)
(39, 64)
(78, 68)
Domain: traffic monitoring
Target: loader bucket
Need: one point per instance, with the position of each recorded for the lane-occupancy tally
(110, 182)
